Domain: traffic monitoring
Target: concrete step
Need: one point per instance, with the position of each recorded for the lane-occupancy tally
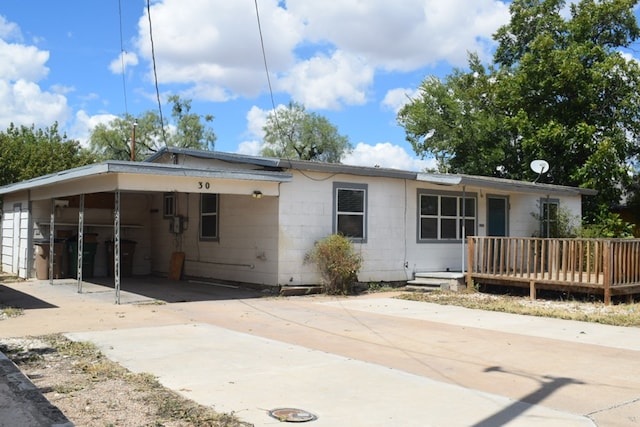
(445, 280)
(421, 284)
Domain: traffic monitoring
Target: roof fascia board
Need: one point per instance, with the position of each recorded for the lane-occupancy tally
(525, 187)
(116, 167)
(216, 155)
(338, 168)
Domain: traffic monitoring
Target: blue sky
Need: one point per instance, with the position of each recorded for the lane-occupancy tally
(353, 62)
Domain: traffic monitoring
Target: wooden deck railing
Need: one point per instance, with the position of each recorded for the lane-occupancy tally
(607, 266)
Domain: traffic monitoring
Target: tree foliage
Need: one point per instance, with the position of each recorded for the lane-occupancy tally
(27, 152)
(559, 89)
(292, 132)
(187, 130)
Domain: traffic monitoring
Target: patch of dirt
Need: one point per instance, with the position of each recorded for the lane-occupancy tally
(91, 390)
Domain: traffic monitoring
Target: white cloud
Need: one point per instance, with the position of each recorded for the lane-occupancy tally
(323, 54)
(249, 148)
(24, 103)
(125, 59)
(256, 119)
(9, 30)
(22, 100)
(62, 90)
(395, 99)
(84, 124)
(215, 45)
(18, 61)
(386, 155)
(328, 82)
(628, 57)
(405, 35)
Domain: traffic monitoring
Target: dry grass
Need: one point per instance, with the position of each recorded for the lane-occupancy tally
(94, 391)
(585, 311)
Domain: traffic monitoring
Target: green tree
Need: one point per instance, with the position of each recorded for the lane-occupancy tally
(187, 130)
(191, 130)
(558, 89)
(292, 132)
(27, 152)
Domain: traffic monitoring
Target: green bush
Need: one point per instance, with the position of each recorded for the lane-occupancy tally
(337, 262)
(608, 225)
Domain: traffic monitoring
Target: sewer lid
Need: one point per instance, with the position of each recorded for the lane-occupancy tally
(292, 415)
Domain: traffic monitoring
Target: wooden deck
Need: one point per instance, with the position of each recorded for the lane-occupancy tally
(607, 267)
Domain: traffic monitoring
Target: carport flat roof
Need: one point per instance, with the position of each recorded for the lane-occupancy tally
(143, 168)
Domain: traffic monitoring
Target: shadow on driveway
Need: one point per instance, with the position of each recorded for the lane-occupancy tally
(171, 291)
(10, 297)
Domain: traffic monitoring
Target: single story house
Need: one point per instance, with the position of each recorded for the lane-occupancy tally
(252, 220)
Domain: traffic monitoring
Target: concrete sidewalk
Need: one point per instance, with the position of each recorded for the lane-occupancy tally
(249, 375)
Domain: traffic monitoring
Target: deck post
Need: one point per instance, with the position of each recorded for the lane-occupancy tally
(606, 258)
(470, 257)
(532, 290)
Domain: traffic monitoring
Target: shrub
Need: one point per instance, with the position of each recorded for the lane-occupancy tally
(609, 225)
(338, 263)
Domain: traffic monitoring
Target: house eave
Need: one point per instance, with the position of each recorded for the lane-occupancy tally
(142, 168)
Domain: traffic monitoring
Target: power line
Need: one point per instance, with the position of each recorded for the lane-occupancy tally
(155, 73)
(122, 52)
(273, 103)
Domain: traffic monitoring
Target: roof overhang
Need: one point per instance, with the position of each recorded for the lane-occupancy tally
(500, 184)
(141, 176)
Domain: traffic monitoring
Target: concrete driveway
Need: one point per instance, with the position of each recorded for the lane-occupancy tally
(359, 361)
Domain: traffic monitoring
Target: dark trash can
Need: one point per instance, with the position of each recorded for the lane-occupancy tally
(89, 248)
(127, 250)
(60, 259)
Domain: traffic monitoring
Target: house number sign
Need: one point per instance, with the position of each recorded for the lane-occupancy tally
(203, 185)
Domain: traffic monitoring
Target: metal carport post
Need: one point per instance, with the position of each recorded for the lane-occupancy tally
(80, 241)
(52, 222)
(116, 246)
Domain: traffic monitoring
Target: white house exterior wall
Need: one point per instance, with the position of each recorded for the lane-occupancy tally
(525, 206)
(391, 251)
(247, 248)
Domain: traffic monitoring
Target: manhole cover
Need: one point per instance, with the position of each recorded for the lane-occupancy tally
(292, 415)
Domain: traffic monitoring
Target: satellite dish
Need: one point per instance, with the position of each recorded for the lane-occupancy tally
(539, 166)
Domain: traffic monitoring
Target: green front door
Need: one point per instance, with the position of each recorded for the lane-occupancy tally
(497, 216)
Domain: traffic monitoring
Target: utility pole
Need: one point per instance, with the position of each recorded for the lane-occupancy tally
(133, 140)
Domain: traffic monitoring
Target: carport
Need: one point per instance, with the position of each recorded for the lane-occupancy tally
(109, 180)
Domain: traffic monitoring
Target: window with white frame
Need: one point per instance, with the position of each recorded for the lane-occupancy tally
(168, 205)
(209, 216)
(446, 216)
(350, 209)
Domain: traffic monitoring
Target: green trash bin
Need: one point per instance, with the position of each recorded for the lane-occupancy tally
(88, 257)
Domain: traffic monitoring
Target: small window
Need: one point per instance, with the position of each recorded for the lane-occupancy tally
(549, 217)
(350, 201)
(209, 217)
(169, 205)
(445, 216)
